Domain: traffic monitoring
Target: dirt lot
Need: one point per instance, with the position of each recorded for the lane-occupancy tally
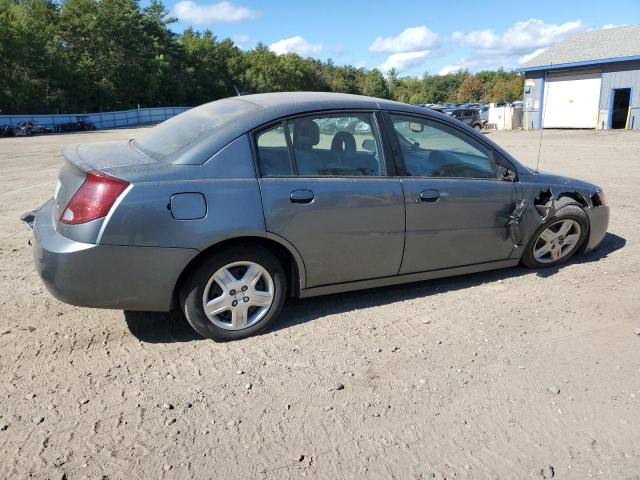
(456, 377)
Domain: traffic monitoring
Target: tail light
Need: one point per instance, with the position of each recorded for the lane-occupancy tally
(93, 199)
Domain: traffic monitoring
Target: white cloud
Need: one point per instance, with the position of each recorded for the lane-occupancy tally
(522, 38)
(404, 61)
(446, 70)
(297, 45)
(188, 11)
(411, 39)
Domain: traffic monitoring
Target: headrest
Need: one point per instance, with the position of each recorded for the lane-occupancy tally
(306, 133)
(343, 142)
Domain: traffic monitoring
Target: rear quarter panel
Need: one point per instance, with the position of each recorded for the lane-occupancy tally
(228, 183)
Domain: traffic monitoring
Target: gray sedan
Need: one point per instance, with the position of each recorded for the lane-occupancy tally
(228, 209)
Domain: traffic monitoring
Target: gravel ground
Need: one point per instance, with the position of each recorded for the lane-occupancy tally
(507, 374)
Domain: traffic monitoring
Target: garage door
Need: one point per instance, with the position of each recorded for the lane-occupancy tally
(571, 100)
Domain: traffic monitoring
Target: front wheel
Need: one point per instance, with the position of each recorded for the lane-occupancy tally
(558, 239)
(234, 294)
(477, 127)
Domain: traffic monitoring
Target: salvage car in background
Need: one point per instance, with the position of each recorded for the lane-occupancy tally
(227, 209)
(468, 116)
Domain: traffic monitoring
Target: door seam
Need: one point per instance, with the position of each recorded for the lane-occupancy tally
(404, 235)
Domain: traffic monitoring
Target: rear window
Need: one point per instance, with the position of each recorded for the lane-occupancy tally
(189, 127)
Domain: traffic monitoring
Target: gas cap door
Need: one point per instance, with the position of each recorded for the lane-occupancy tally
(188, 206)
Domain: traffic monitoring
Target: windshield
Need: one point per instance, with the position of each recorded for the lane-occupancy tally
(189, 127)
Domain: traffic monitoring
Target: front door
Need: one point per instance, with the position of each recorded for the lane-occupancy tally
(457, 209)
(325, 190)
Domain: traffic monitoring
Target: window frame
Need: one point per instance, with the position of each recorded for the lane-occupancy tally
(389, 162)
(399, 157)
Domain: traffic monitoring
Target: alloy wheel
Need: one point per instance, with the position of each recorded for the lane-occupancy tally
(238, 295)
(557, 241)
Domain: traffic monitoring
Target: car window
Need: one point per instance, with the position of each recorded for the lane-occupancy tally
(336, 145)
(172, 135)
(273, 152)
(432, 149)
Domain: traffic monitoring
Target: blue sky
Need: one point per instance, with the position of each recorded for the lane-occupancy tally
(412, 36)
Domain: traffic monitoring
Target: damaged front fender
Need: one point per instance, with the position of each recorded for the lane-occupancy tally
(528, 215)
(538, 204)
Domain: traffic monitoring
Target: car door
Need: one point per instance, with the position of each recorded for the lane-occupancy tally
(325, 189)
(457, 208)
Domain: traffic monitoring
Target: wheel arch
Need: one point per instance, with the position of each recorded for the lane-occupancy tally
(286, 254)
(576, 196)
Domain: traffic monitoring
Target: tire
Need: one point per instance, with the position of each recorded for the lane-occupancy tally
(477, 127)
(559, 252)
(229, 267)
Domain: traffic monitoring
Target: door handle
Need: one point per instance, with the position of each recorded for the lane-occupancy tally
(301, 196)
(428, 196)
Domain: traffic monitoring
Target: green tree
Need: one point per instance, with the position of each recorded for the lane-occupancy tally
(375, 84)
(88, 55)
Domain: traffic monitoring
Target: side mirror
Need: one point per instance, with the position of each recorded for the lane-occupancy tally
(416, 127)
(507, 174)
(369, 145)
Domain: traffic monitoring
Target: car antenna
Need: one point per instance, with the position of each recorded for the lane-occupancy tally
(544, 112)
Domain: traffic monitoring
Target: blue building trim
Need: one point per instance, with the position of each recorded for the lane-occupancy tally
(586, 63)
(542, 85)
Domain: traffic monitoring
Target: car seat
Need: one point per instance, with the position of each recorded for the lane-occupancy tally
(306, 134)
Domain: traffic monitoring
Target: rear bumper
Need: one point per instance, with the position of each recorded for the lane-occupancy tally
(598, 224)
(105, 276)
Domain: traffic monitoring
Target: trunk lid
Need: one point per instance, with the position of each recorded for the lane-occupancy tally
(80, 159)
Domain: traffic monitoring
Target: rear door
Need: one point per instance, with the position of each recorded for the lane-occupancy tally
(325, 189)
(457, 209)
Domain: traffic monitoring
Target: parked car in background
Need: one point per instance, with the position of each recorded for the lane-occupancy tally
(82, 123)
(484, 114)
(437, 108)
(226, 210)
(347, 124)
(6, 131)
(362, 128)
(30, 127)
(468, 116)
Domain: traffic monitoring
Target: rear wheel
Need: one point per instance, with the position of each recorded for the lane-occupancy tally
(558, 239)
(234, 294)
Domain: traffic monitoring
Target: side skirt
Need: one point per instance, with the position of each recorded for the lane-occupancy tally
(407, 278)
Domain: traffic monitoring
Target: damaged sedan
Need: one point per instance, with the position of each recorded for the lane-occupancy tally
(226, 210)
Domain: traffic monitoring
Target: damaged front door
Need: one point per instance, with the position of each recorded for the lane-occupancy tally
(466, 225)
(457, 209)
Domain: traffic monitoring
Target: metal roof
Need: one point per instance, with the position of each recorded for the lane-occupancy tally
(589, 48)
(268, 107)
(293, 101)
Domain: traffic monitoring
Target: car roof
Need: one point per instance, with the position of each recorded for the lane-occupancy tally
(282, 104)
(268, 107)
(272, 106)
(276, 99)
